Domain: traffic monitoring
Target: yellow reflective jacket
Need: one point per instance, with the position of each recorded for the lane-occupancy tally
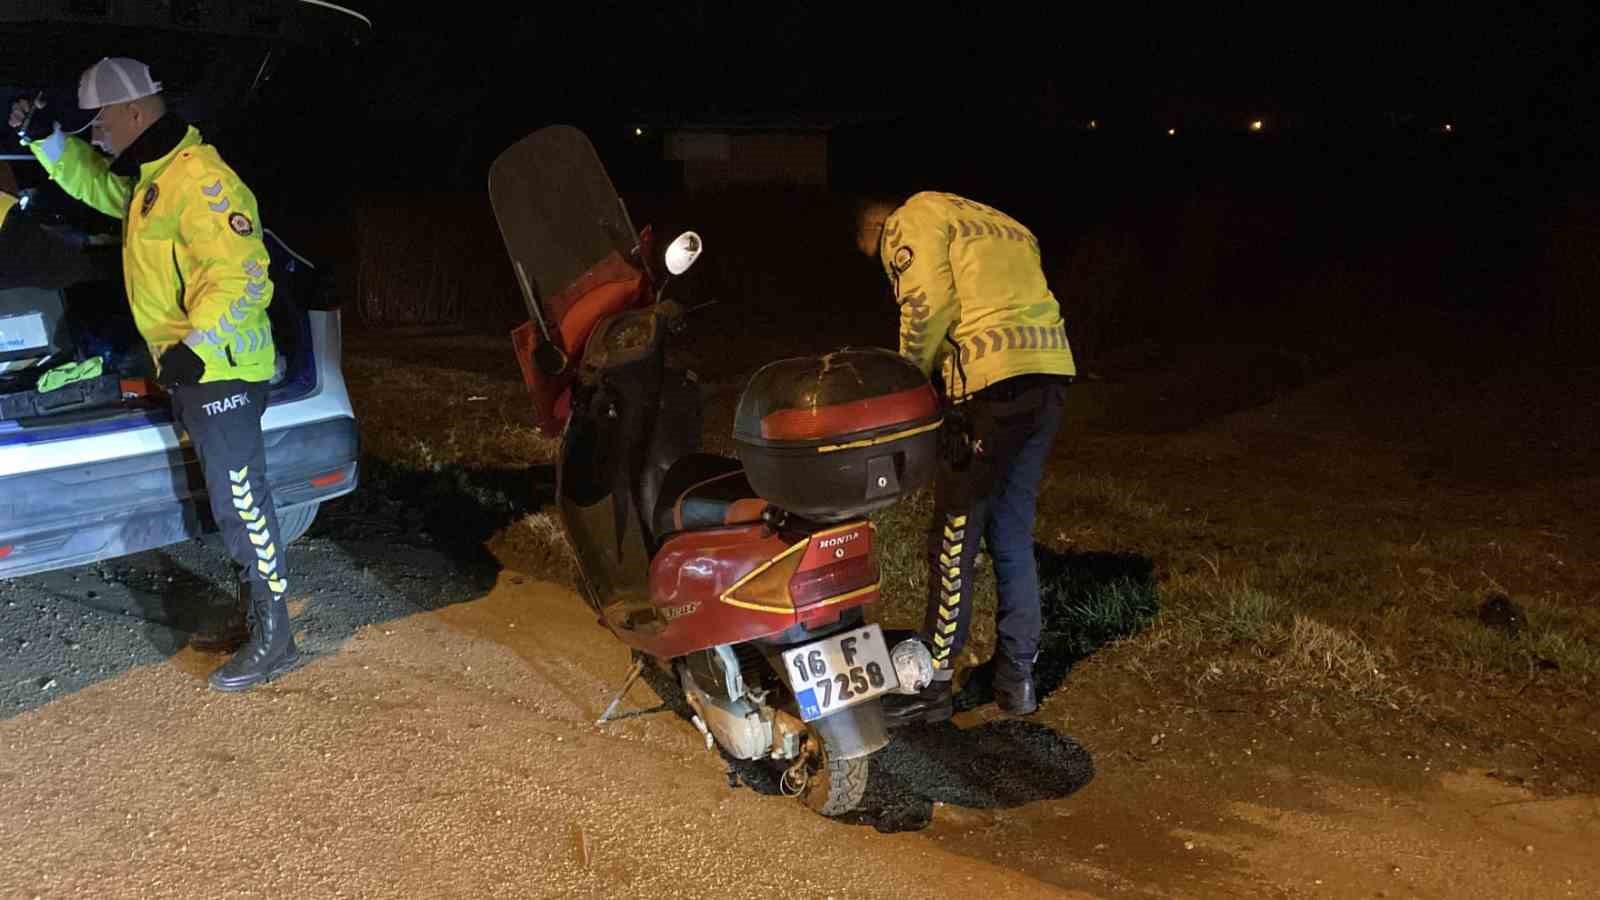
(968, 273)
(194, 264)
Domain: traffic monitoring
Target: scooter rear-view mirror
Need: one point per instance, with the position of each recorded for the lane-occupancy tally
(682, 252)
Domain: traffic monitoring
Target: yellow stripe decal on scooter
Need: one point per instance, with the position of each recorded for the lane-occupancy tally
(845, 598)
(831, 601)
(727, 595)
(873, 442)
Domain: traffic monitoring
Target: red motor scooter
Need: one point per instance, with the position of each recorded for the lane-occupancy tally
(746, 579)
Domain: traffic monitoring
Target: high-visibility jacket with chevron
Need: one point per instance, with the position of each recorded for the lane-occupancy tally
(193, 261)
(965, 272)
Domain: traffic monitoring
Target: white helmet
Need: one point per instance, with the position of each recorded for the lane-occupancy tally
(115, 79)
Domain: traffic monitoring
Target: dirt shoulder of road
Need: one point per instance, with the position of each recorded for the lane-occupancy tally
(1317, 706)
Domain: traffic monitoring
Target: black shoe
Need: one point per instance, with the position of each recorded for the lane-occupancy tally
(1013, 689)
(934, 703)
(270, 652)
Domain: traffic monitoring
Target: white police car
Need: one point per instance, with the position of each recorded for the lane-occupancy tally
(91, 476)
(97, 468)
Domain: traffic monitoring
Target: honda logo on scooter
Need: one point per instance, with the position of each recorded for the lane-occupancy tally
(839, 541)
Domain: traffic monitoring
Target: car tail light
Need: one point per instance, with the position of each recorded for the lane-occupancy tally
(328, 480)
(837, 565)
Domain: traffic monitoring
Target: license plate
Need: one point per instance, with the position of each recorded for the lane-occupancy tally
(840, 671)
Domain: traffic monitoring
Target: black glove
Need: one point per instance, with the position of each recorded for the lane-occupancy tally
(179, 367)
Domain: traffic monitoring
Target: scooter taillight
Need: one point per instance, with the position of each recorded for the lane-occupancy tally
(837, 566)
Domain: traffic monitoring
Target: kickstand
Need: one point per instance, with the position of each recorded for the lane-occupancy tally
(633, 675)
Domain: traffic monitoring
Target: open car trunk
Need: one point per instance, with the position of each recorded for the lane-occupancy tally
(67, 306)
(46, 330)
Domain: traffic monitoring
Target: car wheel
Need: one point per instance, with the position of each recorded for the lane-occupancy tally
(295, 521)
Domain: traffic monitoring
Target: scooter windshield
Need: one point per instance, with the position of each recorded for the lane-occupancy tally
(559, 215)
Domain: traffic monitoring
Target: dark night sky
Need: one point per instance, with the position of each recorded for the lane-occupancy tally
(442, 88)
(1134, 61)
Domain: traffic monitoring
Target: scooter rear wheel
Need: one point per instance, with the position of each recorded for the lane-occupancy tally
(834, 786)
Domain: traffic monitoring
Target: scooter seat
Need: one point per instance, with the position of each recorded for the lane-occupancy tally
(703, 490)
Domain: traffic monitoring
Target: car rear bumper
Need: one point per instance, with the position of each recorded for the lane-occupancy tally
(85, 512)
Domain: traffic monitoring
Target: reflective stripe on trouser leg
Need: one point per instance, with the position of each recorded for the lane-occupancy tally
(258, 531)
(224, 422)
(952, 551)
(959, 511)
(952, 579)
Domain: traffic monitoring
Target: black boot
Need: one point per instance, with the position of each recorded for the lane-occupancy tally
(231, 632)
(1013, 688)
(270, 651)
(934, 703)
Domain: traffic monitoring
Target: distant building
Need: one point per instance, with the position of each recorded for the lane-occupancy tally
(720, 149)
(713, 155)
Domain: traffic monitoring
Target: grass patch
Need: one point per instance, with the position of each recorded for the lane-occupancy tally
(432, 419)
(1093, 599)
(1223, 613)
(1097, 615)
(1094, 497)
(1570, 653)
(1236, 635)
(1322, 655)
(1250, 616)
(1550, 641)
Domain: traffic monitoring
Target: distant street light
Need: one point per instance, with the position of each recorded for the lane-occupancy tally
(1093, 124)
(1257, 125)
(1449, 128)
(1171, 132)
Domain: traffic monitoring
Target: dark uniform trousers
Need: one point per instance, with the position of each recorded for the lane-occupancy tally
(223, 419)
(996, 444)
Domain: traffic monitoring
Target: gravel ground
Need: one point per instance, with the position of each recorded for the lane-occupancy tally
(439, 742)
(426, 748)
(64, 631)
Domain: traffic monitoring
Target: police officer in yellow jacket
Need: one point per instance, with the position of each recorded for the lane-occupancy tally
(977, 315)
(195, 272)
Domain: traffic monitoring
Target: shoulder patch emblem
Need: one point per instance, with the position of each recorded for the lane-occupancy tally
(902, 259)
(241, 225)
(149, 202)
